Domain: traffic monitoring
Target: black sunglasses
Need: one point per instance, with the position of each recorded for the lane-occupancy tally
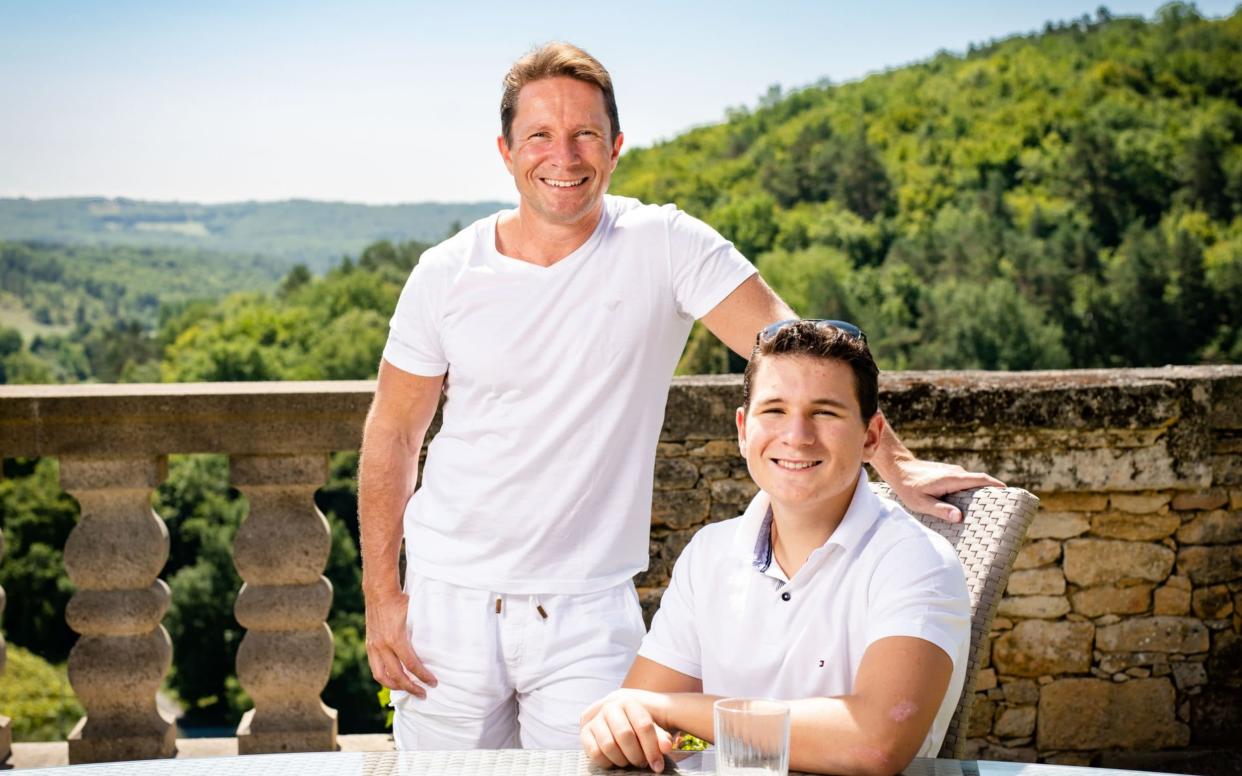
(772, 329)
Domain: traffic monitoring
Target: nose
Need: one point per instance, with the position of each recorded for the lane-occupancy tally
(564, 150)
(799, 431)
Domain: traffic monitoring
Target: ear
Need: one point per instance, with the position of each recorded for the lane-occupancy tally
(741, 430)
(871, 440)
(616, 148)
(507, 155)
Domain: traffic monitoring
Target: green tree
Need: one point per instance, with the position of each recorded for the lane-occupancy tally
(38, 517)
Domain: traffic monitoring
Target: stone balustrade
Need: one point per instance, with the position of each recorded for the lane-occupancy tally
(1118, 642)
(6, 732)
(113, 442)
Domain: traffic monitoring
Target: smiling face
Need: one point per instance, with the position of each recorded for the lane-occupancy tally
(562, 153)
(803, 435)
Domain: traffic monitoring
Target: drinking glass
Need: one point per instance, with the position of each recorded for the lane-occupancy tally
(752, 737)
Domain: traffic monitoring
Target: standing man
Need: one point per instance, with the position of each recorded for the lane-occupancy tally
(553, 331)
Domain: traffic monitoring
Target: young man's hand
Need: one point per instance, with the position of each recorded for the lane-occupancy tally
(627, 728)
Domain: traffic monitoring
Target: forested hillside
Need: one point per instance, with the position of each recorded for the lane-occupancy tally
(76, 313)
(316, 234)
(1069, 199)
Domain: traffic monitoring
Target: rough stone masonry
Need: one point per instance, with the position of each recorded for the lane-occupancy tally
(1119, 641)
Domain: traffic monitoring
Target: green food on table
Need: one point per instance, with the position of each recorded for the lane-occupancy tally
(689, 743)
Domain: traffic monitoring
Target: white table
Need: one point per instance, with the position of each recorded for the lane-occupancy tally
(504, 762)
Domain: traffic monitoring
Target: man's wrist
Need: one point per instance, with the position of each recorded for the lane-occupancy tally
(890, 453)
(377, 591)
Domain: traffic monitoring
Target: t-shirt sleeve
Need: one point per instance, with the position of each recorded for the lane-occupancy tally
(705, 266)
(673, 640)
(919, 590)
(414, 343)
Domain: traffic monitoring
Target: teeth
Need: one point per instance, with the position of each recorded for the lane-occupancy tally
(564, 184)
(795, 465)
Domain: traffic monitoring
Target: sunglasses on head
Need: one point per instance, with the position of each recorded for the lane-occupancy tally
(771, 330)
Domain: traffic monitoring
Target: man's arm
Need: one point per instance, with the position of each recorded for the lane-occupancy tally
(741, 315)
(875, 731)
(400, 414)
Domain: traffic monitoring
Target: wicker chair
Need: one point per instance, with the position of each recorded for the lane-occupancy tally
(987, 542)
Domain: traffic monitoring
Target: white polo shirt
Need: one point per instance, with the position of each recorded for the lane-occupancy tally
(731, 617)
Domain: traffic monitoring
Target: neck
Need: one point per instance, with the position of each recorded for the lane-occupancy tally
(526, 236)
(798, 530)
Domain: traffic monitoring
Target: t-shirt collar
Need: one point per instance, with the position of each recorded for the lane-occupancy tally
(754, 536)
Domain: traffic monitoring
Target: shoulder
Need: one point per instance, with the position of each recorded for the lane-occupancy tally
(628, 214)
(902, 545)
(451, 254)
(716, 536)
(710, 545)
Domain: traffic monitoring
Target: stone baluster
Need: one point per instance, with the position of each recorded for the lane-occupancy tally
(6, 732)
(280, 551)
(114, 556)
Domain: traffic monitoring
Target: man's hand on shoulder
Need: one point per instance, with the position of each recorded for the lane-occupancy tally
(920, 484)
(627, 728)
(394, 663)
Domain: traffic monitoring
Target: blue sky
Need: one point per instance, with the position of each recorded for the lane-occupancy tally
(397, 102)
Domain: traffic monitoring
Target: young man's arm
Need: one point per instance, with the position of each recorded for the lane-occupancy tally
(876, 731)
(400, 414)
(619, 729)
(919, 484)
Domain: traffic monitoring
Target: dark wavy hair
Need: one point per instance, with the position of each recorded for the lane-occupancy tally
(815, 339)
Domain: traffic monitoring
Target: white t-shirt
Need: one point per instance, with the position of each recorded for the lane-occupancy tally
(731, 618)
(540, 478)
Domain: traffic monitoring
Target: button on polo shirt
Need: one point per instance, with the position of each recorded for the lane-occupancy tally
(732, 618)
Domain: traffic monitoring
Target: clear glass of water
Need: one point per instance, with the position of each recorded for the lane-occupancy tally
(752, 737)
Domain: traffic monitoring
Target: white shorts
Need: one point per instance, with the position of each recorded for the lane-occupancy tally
(517, 677)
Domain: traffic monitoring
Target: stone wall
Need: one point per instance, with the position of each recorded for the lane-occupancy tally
(1118, 642)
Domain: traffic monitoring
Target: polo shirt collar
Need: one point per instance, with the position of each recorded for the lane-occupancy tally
(754, 536)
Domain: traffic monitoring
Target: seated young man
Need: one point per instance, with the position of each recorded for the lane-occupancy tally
(821, 593)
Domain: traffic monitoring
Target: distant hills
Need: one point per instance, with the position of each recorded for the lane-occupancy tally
(314, 233)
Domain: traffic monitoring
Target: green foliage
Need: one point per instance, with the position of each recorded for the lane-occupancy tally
(270, 234)
(330, 328)
(202, 514)
(37, 697)
(1064, 199)
(38, 517)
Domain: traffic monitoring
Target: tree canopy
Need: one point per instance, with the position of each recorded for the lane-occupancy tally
(1065, 199)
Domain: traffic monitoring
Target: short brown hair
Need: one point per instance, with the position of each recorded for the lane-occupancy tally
(549, 61)
(814, 339)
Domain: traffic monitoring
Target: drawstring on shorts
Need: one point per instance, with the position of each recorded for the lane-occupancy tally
(538, 606)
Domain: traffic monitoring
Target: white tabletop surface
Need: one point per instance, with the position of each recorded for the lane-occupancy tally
(506, 762)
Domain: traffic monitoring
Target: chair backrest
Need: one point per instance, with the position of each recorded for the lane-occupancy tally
(987, 541)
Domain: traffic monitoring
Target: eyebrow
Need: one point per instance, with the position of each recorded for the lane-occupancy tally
(816, 402)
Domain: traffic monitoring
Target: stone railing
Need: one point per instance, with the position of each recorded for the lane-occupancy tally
(6, 732)
(1118, 639)
(112, 442)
